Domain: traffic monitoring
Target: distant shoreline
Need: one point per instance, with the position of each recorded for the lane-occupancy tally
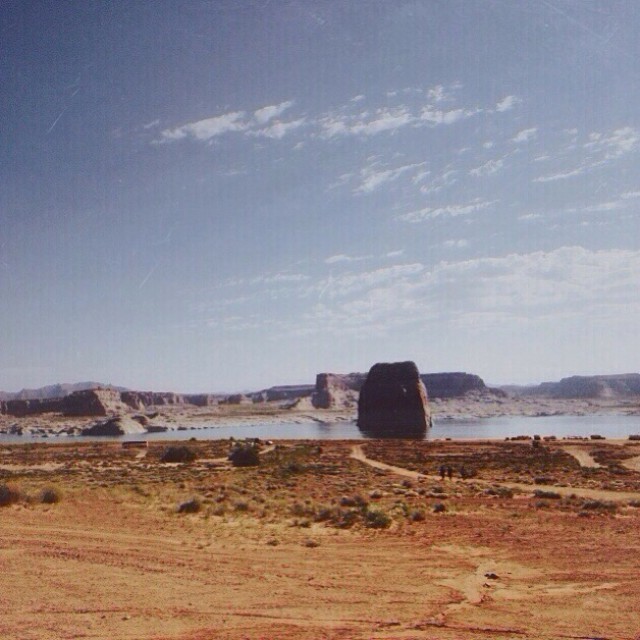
(171, 419)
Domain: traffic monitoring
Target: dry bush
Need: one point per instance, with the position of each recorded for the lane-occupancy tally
(9, 495)
(50, 495)
(178, 454)
(245, 455)
(191, 506)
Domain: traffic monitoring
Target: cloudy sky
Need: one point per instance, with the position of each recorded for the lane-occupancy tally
(211, 196)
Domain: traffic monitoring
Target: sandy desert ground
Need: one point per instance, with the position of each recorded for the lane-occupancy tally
(348, 540)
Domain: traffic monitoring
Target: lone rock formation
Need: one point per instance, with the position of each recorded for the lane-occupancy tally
(393, 402)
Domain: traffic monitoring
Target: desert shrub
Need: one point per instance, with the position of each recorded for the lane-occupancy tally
(375, 519)
(344, 518)
(599, 505)
(500, 492)
(299, 509)
(417, 515)
(438, 507)
(191, 506)
(244, 455)
(323, 514)
(178, 454)
(546, 495)
(241, 505)
(304, 523)
(8, 495)
(353, 501)
(50, 495)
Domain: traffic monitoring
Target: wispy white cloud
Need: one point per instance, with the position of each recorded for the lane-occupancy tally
(434, 116)
(562, 175)
(615, 144)
(263, 115)
(278, 129)
(372, 177)
(452, 210)
(507, 103)
(525, 135)
(207, 128)
(488, 168)
(447, 179)
(341, 257)
(517, 288)
(601, 207)
(365, 123)
(530, 216)
(598, 151)
(456, 244)
(439, 94)
(383, 120)
(565, 283)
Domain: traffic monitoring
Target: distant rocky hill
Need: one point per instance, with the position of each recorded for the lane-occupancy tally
(55, 391)
(611, 386)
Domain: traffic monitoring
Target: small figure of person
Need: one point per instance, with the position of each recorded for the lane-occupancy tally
(449, 472)
(443, 471)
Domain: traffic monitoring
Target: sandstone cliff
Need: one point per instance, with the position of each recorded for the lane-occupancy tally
(333, 391)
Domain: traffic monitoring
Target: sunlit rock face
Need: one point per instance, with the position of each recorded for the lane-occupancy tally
(393, 402)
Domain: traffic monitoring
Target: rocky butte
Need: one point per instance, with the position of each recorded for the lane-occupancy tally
(393, 402)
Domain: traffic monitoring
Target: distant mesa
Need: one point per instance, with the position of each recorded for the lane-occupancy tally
(456, 385)
(595, 387)
(393, 402)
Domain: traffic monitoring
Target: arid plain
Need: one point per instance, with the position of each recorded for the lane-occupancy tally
(331, 539)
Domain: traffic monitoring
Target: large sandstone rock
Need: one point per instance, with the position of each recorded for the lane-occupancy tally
(116, 426)
(393, 402)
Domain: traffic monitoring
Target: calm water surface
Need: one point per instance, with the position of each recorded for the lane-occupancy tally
(609, 426)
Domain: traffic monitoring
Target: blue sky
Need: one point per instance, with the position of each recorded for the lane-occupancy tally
(204, 196)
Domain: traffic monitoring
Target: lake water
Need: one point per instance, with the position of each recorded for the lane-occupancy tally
(609, 426)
